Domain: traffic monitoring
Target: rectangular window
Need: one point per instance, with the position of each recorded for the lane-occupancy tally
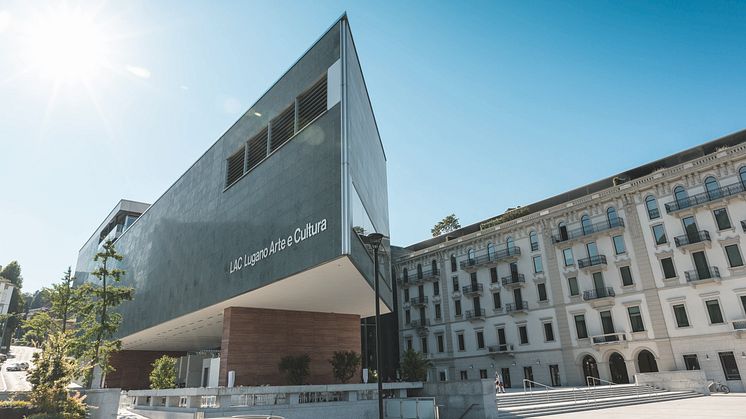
(548, 332)
(523, 333)
(635, 319)
(542, 288)
(442, 375)
(713, 310)
(406, 295)
(438, 314)
(626, 274)
(538, 268)
(580, 326)
(424, 345)
(464, 375)
(436, 288)
(619, 245)
(659, 233)
(483, 374)
(493, 275)
(454, 268)
(457, 307)
(682, 320)
(455, 283)
(730, 368)
(722, 219)
(409, 344)
(461, 342)
(473, 277)
(691, 362)
(407, 317)
(496, 300)
(569, 260)
(441, 343)
(572, 283)
(668, 269)
(480, 339)
(734, 255)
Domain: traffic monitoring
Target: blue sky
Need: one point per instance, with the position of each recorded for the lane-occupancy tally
(481, 106)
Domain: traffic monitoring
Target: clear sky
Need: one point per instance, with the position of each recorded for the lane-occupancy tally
(481, 105)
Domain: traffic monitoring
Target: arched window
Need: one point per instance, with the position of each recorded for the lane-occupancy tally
(434, 267)
(490, 251)
(682, 198)
(470, 257)
(419, 270)
(712, 187)
(405, 274)
(612, 217)
(562, 231)
(509, 243)
(742, 175)
(454, 268)
(534, 239)
(646, 362)
(585, 222)
(652, 205)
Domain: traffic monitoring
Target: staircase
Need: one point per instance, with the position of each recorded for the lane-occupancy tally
(540, 402)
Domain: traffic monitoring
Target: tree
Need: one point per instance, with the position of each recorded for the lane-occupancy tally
(99, 323)
(64, 300)
(53, 371)
(12, 272)
(414, 366)
(344, 365)
(446, 225)
(37, 327)
(295, 368)
(163, 374)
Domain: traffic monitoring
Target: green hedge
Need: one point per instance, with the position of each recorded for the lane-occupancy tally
(15, 409)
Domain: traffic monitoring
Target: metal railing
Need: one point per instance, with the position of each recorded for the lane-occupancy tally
(654, 213)
(592, 261)
(591, 381)
(513, 279)
(739, 324)
(420, 323)
(598, 293)
(472, 289)
(505, 347)
(710, 272)
(475, 314)
(704, 197)
(589, 229)
(495, 256)
(517, 306)
(616, 337)
(578, 394)
(692, 238)
(418, 301)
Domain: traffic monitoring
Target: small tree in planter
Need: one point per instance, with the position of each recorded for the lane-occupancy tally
(344, 365)
(414, 366)
(295, 368)
(164, 373)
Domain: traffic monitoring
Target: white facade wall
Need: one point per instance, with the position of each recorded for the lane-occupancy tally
(6, 292)
(654, 295)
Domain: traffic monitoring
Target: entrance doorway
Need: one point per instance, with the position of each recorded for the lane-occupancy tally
(555, 376)
(618, 369)
(528, 374)
(590, 368)
(646, 362)
(506, 377)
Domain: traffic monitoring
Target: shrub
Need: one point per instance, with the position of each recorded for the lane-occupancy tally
(414, 366)
(344, 365)
(164, 373)
(295, 368)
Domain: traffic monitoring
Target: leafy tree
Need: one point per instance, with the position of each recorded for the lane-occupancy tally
(446, 225)
(12, 272)
(53, 371)
(344, 365)
(64, 299)
(163, 374)
(295, 368)
(414, 366)
(37, 327)
(99, 323)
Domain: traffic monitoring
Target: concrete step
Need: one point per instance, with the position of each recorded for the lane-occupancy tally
(567, 395)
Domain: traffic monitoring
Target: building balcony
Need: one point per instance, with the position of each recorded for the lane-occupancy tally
(702, 276)
(592, 263)
(616, 338)
(739, 326)
(473, 315)
(589, 231)
(704, 197)
(418, 301)
(693, 239)
(431, 275)
(490, 260)
(473, 289)
(409, 281)
(599, 297)
(514, 281)
(516, 308)
(421, 325)
(503, 349)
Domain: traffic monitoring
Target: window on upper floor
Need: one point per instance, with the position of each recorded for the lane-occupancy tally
(457, 307)
(734, 256)
(471, 256)
(572, 284)
(406, 295)
(405, 274)
(533, 238)
(569, 259)
(464, 375)
(493, 275)
(541, 288)
(454, 281)
(722, 219)
(580, 327)
(548, 332)
(585, 224)
(496, 300)
(538, 267)
(713, 311)
(612, 217)
(441, 343)
(712, 188)
(523, 334)
(490, 251)
(682, 319)
(635, 319)
(454, 268)
(480, 339)
(436, 288)
(651, 204)
(423, 341)
(619, 246)
(461, 342)
(509, 244)
(681, 196)
(626, 274)
(659, 234)
(438, 314)
(407, 317)
(409, 344)
(668, 269)
(742, 175)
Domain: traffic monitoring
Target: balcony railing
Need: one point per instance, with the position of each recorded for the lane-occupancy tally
(494, 257)
(429, 275)
(609, 338)
(692, 238)
(418, 301)
(705, 197)
(475, 314)
(496, 349)
(518, 306)
(589, 229)
(420, 323)
(515, 279)
(472, 289)
(711, 272)
(591, 261)
(739, 325)
(654, 213)
(598, 293)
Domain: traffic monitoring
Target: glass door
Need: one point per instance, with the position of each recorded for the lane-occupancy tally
(554, 374)
(700, 264)
(501, 339)
(518, 299)
(608, 325)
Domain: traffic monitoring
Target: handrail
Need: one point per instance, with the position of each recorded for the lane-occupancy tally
(590, 378)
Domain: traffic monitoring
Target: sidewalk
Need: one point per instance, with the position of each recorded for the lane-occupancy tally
(713, 407)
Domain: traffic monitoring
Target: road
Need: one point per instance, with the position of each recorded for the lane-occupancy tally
(16, 380)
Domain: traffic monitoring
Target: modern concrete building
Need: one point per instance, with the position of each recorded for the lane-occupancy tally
(639, 272)
(255, 252)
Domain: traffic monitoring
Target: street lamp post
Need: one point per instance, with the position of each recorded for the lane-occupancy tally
(375, 239)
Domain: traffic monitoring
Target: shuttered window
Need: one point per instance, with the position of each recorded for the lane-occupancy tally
(312, 103)
(235, 166)
(283, 127)
(257, 148)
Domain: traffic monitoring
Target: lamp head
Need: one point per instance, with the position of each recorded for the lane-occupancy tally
(374, 239)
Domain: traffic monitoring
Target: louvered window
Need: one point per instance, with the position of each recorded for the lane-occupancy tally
(235, 166)
(312, 103)
(257, 149)
(283, 127)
